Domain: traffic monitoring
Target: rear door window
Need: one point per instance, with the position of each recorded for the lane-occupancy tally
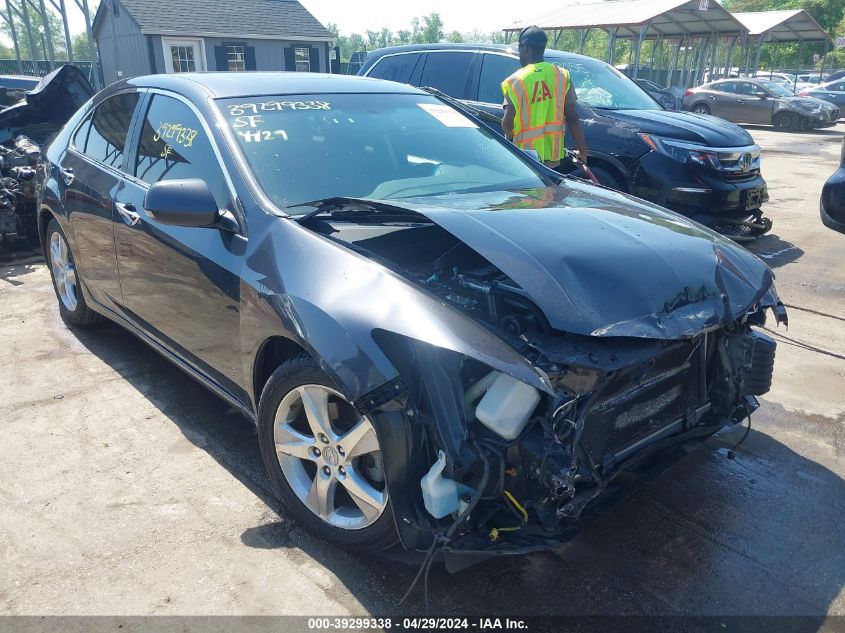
(395, 67)
(448, 72)
(104, 140)
(727, 87)
(494, 70)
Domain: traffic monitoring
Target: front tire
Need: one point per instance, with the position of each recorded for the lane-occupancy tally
(72, 307)
(324, 459)
(785, 121)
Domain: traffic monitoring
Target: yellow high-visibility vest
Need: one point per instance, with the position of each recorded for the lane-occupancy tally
(538, 93)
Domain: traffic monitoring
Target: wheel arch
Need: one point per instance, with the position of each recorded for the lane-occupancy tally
(272, 354)
(614, 166)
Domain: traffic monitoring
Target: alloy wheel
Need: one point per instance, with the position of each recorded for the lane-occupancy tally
(64, 272)
(330, 456)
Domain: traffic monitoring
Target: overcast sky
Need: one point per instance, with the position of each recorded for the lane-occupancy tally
(356, 16)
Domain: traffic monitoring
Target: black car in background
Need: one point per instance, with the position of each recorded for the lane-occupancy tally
(13, 88)
(705, 168)
(345, 262)
(832, 203)
(663, 96)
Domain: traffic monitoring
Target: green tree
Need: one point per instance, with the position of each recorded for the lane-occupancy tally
(455, 36)
(57, 34)
(79, 45)
(432, 29)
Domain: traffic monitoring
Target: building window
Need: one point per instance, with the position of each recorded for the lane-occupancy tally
(303, 60)
(235, 56)
(183, 59)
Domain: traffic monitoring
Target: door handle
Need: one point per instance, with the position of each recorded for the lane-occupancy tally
(67, 175)
(128, 213)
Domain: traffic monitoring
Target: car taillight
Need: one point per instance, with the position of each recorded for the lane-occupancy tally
(687, 92)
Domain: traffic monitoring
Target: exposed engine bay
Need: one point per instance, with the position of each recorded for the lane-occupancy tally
(509, 466)
(24, 128)
(17, 191)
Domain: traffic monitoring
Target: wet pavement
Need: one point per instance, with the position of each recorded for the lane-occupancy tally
(127, 488)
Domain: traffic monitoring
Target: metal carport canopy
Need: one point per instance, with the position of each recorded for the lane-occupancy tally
(783, 26)
(665, 18)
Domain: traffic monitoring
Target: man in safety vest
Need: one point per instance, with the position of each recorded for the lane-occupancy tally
(540, 103)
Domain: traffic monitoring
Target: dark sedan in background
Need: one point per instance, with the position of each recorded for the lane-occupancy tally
(664, 96)
(833, 91)
(706, 169)
(762, 102)
(346, 261)
(832, 203)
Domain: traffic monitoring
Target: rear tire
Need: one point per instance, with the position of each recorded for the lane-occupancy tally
(324, 459)
(700, 108)
(72, 307)
(785, 121)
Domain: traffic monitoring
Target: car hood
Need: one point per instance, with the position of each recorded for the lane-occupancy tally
(600, 263)
(806, 101)
(695, 128)
(53, 101)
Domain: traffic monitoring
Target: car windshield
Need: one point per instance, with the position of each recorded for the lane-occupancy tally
(600, 85)
(305, 148)
(777, 89)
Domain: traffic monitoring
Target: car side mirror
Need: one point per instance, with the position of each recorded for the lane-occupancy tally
(187, 202)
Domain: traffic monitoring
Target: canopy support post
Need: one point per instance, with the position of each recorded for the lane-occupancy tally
(729, 62)
(757, 54)
(714, 59)
(670, 80)
(638, 53)
(582, 40)
(611, 45)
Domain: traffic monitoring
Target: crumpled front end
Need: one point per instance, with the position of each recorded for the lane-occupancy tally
(507, 468)
(646, 345)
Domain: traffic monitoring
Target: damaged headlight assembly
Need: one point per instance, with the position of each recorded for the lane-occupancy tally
(682, 152)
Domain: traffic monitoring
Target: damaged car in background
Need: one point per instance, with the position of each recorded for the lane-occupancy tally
(443, 343)
(25, 125)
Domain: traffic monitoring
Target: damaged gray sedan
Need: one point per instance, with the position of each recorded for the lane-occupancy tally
(442, 343)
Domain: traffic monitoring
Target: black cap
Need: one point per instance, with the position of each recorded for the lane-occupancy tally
(533, 36)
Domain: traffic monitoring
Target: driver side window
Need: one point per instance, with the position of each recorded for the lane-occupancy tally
(174, 146)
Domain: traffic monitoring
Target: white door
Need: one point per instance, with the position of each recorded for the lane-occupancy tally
(183, 55)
